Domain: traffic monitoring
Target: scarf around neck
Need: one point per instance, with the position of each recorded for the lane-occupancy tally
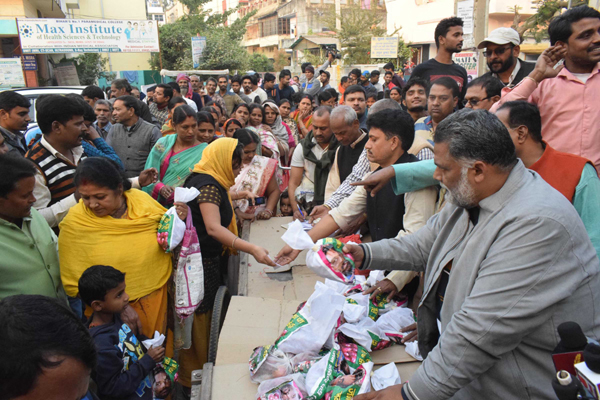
(322, 166)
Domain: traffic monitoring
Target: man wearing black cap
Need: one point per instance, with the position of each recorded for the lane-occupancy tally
(501, 53)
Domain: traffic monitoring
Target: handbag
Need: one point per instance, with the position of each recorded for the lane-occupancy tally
(189, 280)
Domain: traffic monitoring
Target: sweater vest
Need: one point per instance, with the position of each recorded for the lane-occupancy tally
(385, 211)
(560, 170)
(57, 172)
(347, 157)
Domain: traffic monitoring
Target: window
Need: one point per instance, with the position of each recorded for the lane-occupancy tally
(283, 27)
(159, 17)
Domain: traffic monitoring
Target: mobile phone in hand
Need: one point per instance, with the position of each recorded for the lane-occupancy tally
(258, 201)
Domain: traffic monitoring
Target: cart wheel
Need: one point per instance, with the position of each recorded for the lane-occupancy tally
(222, 300)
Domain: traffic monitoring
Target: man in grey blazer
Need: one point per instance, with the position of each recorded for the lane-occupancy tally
(506, 261)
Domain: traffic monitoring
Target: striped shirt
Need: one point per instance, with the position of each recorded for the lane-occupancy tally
(54, 186)
(424, 128)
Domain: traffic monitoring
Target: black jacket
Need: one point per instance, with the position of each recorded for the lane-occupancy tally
(526, 68)
(117, 346)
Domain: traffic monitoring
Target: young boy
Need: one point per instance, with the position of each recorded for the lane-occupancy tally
(285, 207)
(371, 99)
(123, 370)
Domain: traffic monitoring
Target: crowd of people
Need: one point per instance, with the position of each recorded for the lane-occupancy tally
(481, 199)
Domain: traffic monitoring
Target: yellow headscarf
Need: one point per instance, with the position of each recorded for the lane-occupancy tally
(216, 162)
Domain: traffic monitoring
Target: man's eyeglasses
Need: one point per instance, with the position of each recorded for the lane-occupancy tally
(499, 51)
(473, 102)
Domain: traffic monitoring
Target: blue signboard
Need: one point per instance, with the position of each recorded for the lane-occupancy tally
(29, 63)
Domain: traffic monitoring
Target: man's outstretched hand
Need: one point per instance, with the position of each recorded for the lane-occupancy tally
(148, 177)
(357, 253)
(390, 393)
(383, 286)
(317, 213)
(286, 255)
(377, 180)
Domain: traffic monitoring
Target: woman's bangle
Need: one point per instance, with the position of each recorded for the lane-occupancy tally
(269, 211)
(233, 243)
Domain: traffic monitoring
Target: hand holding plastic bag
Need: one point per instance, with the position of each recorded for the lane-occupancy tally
(171, 228)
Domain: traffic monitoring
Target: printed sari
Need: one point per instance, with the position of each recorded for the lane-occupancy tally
(255, 178)
(306, 121)
(268, 140)
(173, 168)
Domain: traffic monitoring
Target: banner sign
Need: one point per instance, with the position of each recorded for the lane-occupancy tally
(11, 73)
(66, 74)
(464, 10)
(198, 45)
(384, 47)
(467, 60)
(29, 63)
(41, 36)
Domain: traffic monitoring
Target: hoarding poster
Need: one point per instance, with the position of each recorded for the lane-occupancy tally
(47, 36)
(467, 60)
(384, 47)
(198, 45)
(11, 73)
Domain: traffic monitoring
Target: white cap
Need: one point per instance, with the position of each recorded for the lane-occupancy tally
(501, 36)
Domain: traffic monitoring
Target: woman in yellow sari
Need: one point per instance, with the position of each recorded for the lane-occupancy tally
(215, 223)
(116, 225)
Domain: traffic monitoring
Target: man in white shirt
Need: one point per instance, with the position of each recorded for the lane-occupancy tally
(177, 93)
(310, 168)
(251, 89)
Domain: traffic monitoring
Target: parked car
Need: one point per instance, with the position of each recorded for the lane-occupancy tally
(32, 95)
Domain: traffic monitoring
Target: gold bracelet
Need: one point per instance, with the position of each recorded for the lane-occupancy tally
(233, 243)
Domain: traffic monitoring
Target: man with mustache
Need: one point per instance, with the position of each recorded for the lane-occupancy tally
(502, 49)
(131, 136)
(391, 137)
(568, 96)
(449, 40)
(29, 261)
(57, 155)
(441, 102)
(312, 160)
(414, 98)
(14, 118)
(505, 262)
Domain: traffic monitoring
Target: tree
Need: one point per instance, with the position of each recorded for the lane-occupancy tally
(358, 26)
(223, 43)
(281, 59)
(260, 63)
(536, 26)
(90, 67)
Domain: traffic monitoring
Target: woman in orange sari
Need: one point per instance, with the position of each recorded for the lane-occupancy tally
(303, 115)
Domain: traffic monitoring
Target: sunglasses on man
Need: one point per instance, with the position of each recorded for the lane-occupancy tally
(474, 102)
(499, 51)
